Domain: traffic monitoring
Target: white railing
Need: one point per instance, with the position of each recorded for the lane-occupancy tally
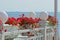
(41, 36)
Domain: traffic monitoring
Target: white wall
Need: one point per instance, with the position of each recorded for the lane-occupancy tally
(27, 5)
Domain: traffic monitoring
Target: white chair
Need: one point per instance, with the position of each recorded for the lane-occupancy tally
(3, 17)
(32, 14)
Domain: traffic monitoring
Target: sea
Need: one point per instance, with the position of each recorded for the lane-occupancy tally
(18, 14)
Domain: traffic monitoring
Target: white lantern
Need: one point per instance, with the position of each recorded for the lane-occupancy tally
(3, 16)
(43, 15)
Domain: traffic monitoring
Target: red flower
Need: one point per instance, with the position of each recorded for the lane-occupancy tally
(0, 22)
(5, 30)
(31, 21)
(36, 20)
(11, 21)
(8, 21)
(14, 18)
(22, 15)
(52, 19)
(25, 20)
(22, 21)
(19, 20)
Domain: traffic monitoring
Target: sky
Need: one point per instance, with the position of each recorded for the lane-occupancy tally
(28, 5)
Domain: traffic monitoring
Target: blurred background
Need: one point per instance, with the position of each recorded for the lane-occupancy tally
(15, 8)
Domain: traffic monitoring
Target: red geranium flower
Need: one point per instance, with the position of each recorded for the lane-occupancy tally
(11, 21)
(23, 15)
(23, 21)
(36, 20)
(19, 20)
(52, 20)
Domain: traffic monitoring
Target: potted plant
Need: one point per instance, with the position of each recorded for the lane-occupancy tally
(52, 21)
